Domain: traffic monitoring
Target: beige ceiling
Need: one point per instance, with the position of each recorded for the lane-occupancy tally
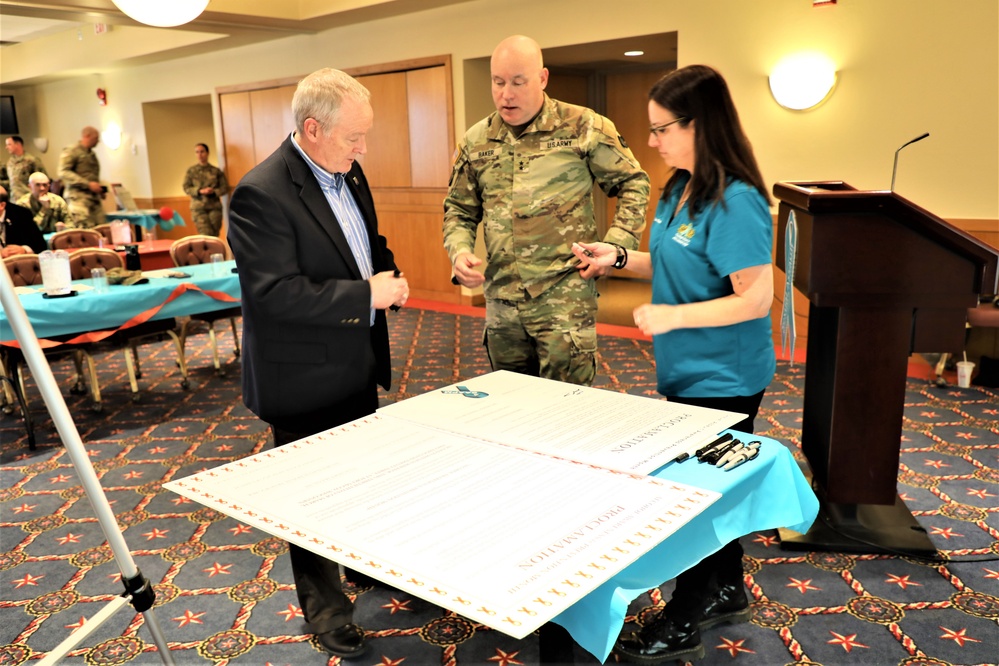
(46, 40)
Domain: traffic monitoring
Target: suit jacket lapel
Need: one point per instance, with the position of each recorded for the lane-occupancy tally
(366, 206)
(315, 201)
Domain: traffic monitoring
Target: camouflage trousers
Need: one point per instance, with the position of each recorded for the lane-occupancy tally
(85, 210)
(552, 336)
(207, 220)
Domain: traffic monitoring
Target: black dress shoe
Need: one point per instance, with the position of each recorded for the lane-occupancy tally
(346, 641)
(663, 639)
(728, 604)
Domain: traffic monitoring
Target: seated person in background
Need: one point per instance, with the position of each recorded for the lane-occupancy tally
(50, 210)
(18, 233)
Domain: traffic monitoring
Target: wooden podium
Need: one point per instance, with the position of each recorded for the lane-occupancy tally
(884, 279)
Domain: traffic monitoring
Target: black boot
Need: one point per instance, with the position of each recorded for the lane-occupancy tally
(728, 604)
(663, 639)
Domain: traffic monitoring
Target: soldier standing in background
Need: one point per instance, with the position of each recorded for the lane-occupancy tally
(50, 211)
(20, 165)
(526, 172)
(205, 184)
(81, 174)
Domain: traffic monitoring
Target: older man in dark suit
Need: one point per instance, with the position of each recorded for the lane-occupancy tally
(316, 279)
(18, 232)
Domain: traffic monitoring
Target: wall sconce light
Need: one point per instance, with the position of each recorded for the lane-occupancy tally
(162, 13)
(802, 81)
(41, 143)
(111, 136)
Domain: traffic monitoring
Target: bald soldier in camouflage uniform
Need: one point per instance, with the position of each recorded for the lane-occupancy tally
(20, 166)
(50, 211)
(81, 173)
(526, 172)
(205, 184)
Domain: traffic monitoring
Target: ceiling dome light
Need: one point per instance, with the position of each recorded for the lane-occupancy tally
(802, 81)
(162, 13)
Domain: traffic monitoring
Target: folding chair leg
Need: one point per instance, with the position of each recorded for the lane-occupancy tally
(78, 387)
(9, 397)
(135, 356)
(178, 341)
(939, 369)
(129, 365)
(215, 348)
(235, 335)
(17, 383)
(95, 389)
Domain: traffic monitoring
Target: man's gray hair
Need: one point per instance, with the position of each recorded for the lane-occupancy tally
(38, 177)
(321, 95)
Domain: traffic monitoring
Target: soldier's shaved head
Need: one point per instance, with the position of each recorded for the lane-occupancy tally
(519, 78)
(522, 47)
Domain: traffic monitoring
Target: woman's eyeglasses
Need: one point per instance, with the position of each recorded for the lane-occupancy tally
(659, 130)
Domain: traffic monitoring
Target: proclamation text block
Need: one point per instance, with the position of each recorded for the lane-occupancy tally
(606, 428)
(506, 537)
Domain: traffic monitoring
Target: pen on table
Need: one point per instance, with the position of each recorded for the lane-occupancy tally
(715, 454)
(729, 455)
(747, 455)
(741, 451)
(699, 450)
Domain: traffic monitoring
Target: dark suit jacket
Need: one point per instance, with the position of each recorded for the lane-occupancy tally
(307, 342)
(22, 230)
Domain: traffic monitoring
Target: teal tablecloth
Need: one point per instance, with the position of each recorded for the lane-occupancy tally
(765, 493)
(147, 219)
(89, 311)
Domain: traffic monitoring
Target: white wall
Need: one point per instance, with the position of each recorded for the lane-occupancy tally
(906, 67)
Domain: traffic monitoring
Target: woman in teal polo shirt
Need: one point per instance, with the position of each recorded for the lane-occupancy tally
(712, 288)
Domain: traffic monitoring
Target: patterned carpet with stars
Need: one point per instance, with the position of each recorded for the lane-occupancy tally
(224, 591)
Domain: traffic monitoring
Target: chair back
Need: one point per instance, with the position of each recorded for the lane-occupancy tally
(196, 249)
(83, 260)
(25, 269)
(105, 230)
(71, 239)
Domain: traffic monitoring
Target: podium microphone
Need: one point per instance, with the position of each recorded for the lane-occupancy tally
(895, 166)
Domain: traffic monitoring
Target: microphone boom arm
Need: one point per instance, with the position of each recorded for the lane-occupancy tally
(894, 167)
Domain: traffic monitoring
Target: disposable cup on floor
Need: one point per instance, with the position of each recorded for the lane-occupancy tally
(964, 369)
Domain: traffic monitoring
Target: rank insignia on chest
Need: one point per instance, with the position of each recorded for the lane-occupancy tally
(523, 165)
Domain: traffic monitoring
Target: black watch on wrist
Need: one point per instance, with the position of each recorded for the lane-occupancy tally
(622, 256)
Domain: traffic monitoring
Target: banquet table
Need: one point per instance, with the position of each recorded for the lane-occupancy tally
(89, 316)
(147, 219)
(90, 311)
(765, 493)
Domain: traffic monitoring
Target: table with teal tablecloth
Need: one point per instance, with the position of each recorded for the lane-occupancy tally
(765, 493)
(90, 311)
(147, 219)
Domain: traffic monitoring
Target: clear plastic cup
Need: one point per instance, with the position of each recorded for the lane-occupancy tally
(56, 277)
(99, 280)
(217, 259)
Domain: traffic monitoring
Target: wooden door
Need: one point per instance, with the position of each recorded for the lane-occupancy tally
(272, 119)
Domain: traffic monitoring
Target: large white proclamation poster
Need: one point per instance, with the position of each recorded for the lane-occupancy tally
(598, 426)
(503, 535)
